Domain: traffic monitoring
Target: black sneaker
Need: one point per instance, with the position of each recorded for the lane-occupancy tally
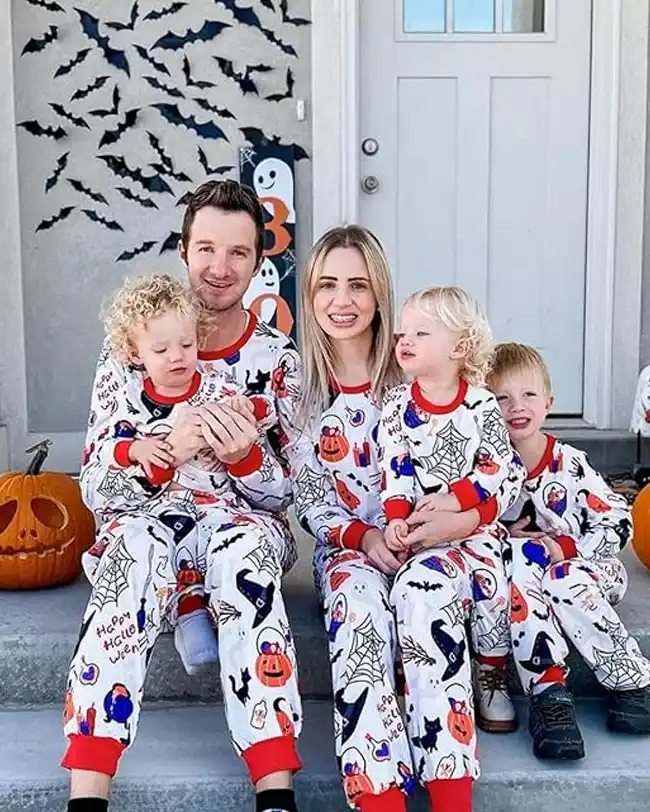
(629, 711)
(553, 725)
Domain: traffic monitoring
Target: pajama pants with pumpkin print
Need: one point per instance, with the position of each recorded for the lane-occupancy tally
(421, 613)
(573, 601)
(132, 568)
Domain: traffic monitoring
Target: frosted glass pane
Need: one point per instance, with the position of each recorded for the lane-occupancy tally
(424, 16)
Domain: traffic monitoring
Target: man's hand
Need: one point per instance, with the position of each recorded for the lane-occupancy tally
(186, 438)
(395, 536)
(151, 451)
(439, 501)
(230, 434)
(431, 528)
(374, 546)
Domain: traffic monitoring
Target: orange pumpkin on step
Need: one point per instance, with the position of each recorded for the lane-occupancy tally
(44, 526)
(641, 522)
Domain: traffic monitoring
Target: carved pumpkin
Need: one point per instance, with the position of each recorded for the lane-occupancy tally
(44, 526)
(334, 445)
(641, 522)
(355, 779)
(518, 605)
(273, 668)
(459, 722)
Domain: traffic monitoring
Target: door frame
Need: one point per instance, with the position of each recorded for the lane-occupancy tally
(611, 310)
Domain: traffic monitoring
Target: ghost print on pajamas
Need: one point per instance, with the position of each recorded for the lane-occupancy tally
(220, 524)
(571, 601)
(337, 474)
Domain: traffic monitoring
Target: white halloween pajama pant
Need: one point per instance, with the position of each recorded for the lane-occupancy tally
(422, 616)
(572, 601)
(242, 556)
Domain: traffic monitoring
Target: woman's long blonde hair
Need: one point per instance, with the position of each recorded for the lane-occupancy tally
(317, 351)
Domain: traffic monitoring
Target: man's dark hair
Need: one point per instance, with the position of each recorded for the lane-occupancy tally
(227, 195)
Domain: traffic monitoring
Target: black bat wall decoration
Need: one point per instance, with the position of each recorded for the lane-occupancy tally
(125, 256)
(222, 112)
(152, 183)
(83, 92)
(77, 59)
(212, 170)
(268, 4)
(90, 27)
(62, 215)
(114, 110)
(97, 218)
(165, 170)
(283, 46)
(183, 200)
(165, 12)
(245, 16)
(188, 77)
(173, 42)
(144, 54)
(261, 68)
(60, 110)
(174, 92)
(113, 136)
(207, 129)
(297, 21)
(37, 129)
(257, 138)
(157, 147)
(171, 243)
(37, 44)
(61, 164)
(145, 202)
(288, 94)
(48, 6)
(246, 84)
(130, 26)
(78, 186)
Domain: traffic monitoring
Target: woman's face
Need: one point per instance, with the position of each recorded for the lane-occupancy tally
(344, 304)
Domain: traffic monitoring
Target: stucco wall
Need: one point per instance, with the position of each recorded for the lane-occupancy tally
(70, 268)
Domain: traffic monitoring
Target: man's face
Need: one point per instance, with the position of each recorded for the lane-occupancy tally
(220, 256)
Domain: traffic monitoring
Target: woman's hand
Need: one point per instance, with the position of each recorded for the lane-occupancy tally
(374, 546)
(230, 434)
(439, 501)
(186, 439)
(430, 528)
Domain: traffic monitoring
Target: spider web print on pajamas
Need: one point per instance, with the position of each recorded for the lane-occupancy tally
(364, 661)
(617, 665)
(112, 580)
(448, 459)
(496, 430)
(312, 488)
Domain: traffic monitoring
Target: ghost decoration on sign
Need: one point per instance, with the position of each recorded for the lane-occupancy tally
(274, 178)
(266, 287)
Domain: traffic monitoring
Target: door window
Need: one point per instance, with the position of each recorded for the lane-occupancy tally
(474, 16)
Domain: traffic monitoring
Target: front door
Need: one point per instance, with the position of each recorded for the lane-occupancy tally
(474, 140)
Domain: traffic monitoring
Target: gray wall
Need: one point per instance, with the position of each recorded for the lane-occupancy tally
(70, 269)
(645, 282)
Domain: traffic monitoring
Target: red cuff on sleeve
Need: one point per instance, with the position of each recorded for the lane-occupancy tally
(397, 508)
(252, 462)
(353, 535)
(160, 476)
(272, 756)
(260, 407)
(121, 453)
(488, 511)
(568, 546)
(94, 753)
(466, 494)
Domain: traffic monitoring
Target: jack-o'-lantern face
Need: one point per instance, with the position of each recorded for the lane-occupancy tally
(518, 605)
(460, 722)
(273, 668)
(44, 528)
(485, 463)
(333, 444)
(355, 780)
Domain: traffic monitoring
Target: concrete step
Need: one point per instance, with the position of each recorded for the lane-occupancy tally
(38, 631)
(182, 759)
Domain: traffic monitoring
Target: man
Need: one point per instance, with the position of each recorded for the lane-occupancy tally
(130, 565)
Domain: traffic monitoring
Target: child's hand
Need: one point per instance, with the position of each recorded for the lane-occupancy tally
(151, 451)
(373, 544)
(439, 501)
(396, 532)
(518, 530)
(553, 548)
(240, 404)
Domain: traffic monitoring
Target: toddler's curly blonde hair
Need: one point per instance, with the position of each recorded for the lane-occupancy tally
(144, 298)
(460, 312)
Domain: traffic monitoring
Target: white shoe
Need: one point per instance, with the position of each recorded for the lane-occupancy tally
(195, 641)
(495, 712)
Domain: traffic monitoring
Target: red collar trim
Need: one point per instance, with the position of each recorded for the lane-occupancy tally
(433, 408)
(228, 352)
(350, 390)
(546, 460)
(170, 400)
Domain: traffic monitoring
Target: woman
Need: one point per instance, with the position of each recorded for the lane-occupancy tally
(347, 318)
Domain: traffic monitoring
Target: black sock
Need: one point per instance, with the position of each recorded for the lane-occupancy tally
(277, 800)
(88, 805)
